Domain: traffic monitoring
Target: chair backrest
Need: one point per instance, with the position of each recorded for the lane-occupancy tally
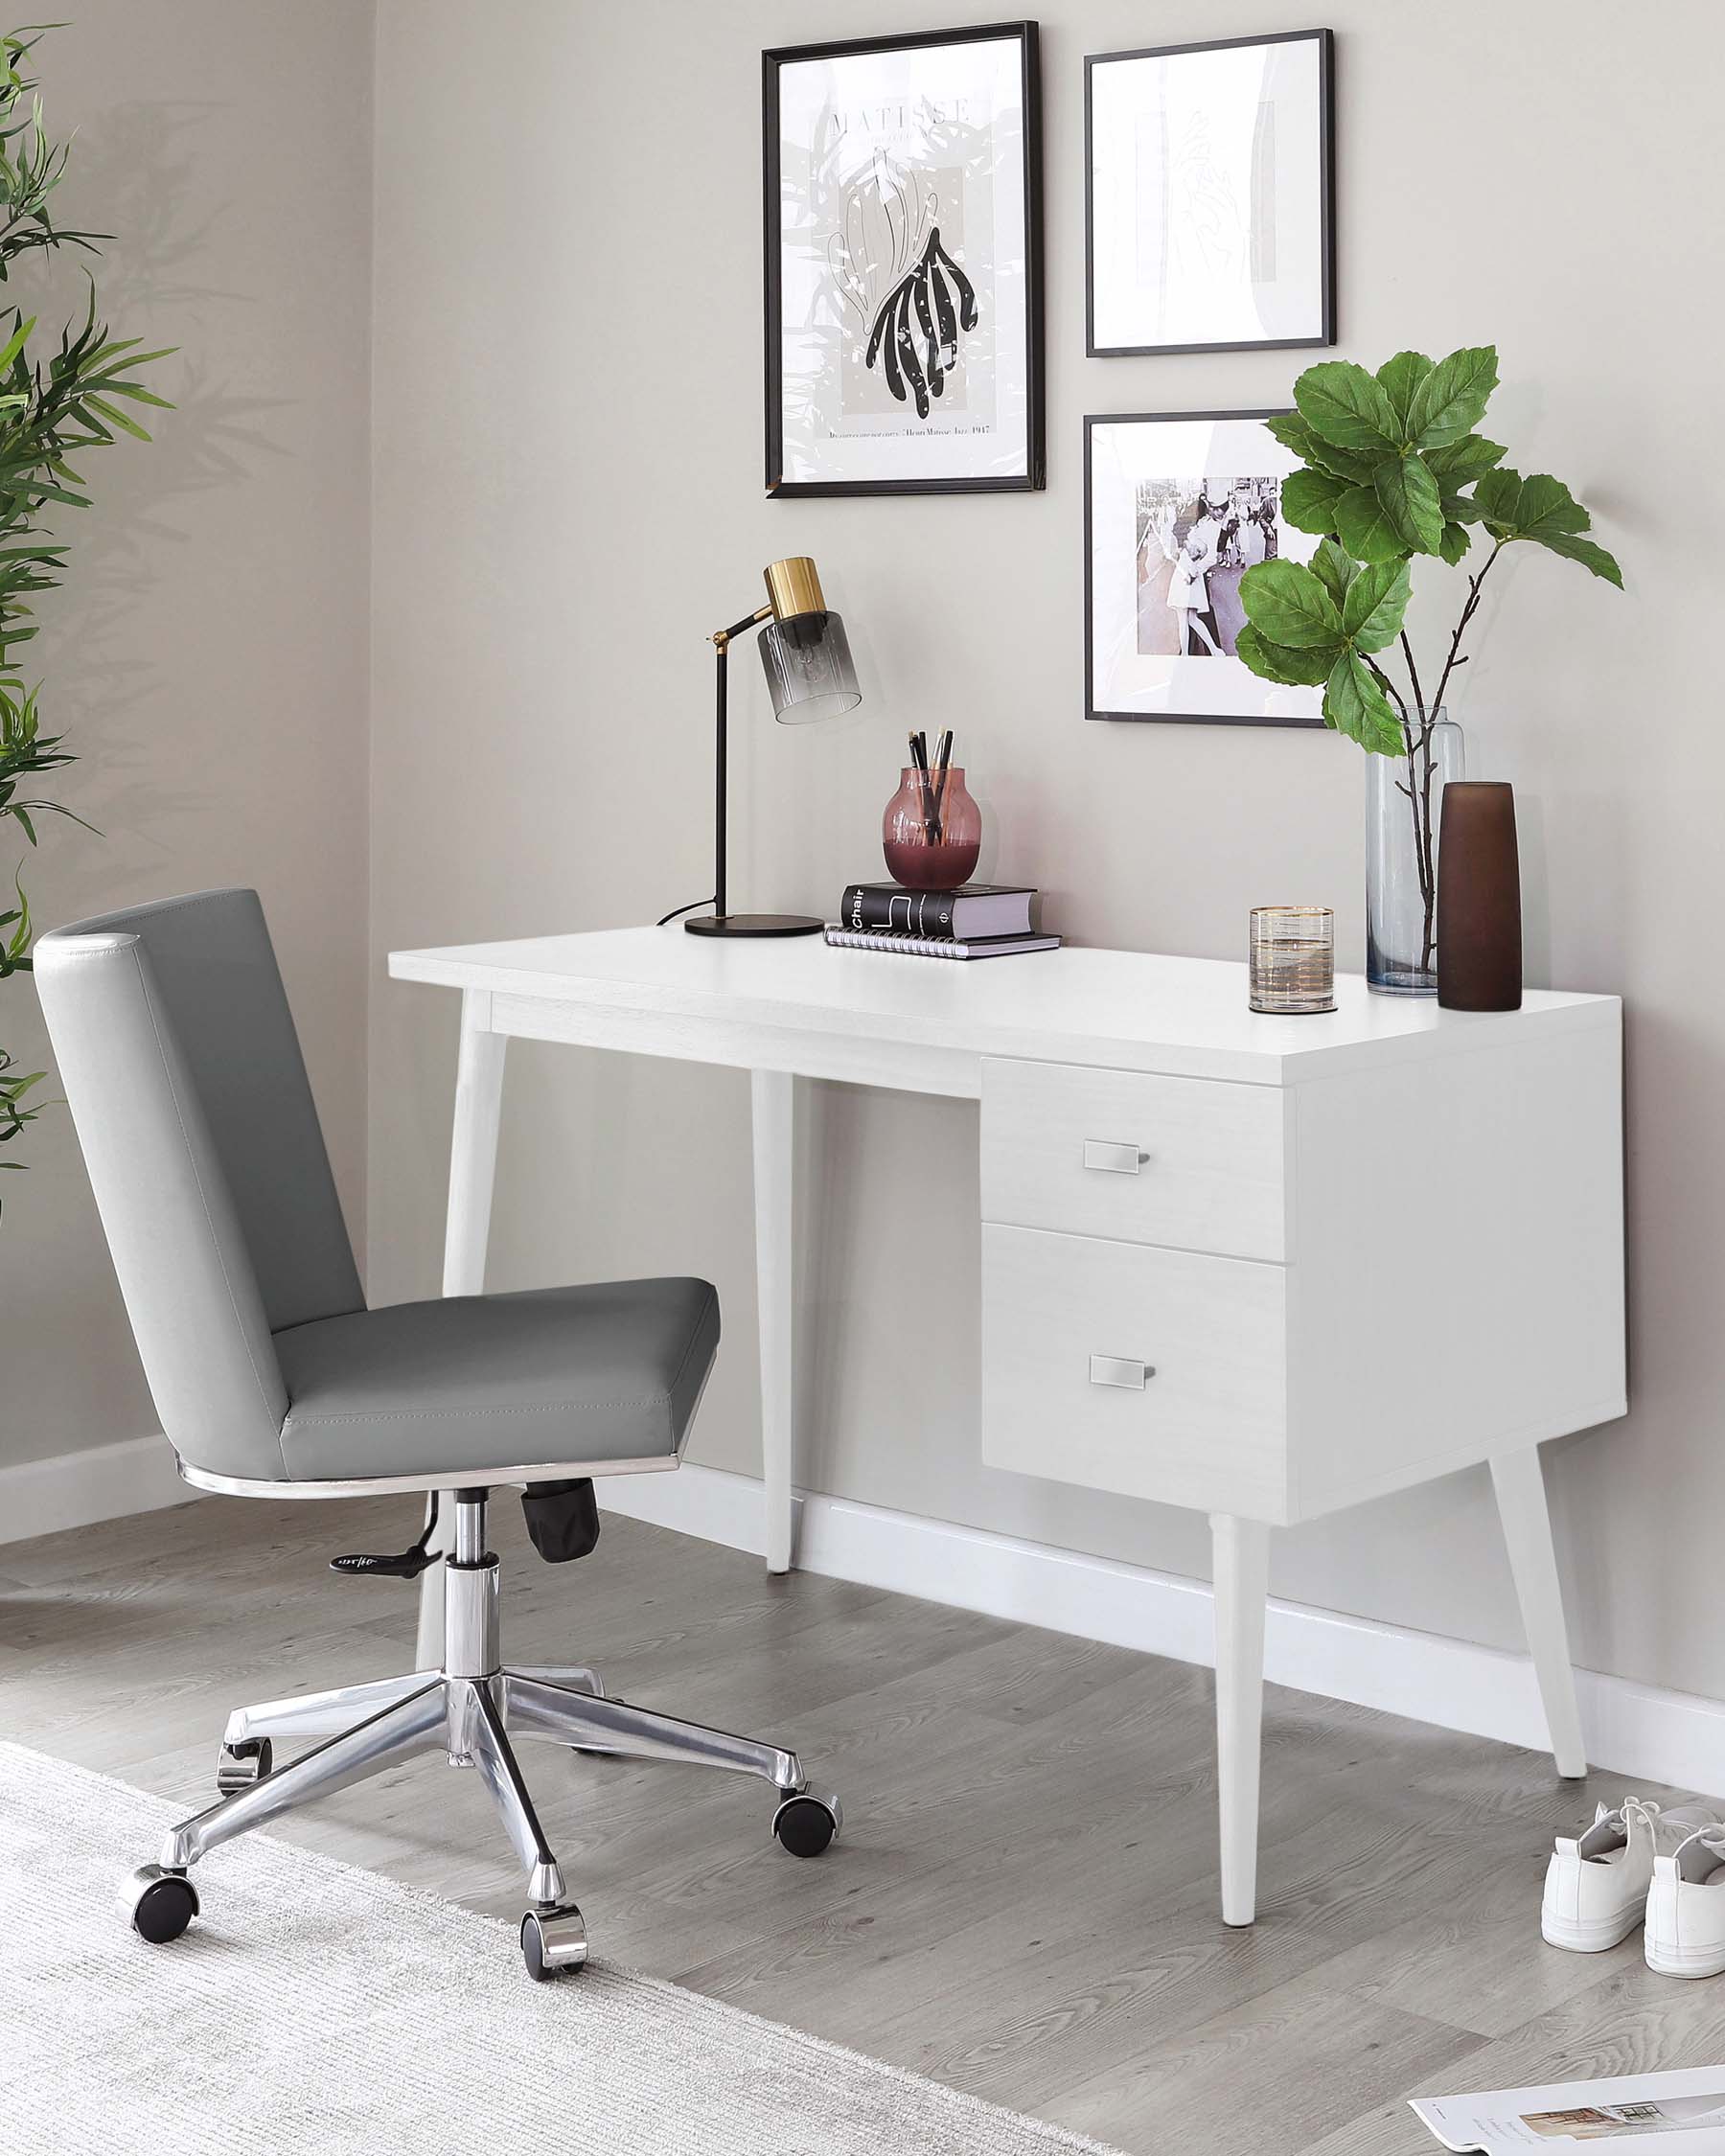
(183, 1071)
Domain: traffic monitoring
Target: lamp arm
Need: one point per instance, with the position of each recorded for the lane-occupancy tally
(722, 636)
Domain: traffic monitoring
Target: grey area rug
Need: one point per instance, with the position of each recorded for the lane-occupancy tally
(316, 2006)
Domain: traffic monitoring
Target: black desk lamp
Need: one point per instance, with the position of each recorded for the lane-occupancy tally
(809, 675)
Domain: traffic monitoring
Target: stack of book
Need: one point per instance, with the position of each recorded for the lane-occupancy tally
(976, 921)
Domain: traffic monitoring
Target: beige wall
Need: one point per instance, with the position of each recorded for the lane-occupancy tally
(208, 654)
(568, 495)
(567, 363)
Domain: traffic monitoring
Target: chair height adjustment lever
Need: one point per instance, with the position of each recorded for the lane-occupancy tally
(407, 1566)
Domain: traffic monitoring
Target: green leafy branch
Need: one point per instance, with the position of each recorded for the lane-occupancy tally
(1387, 460)
(30, 166)
(13, 1115)
(1324, 624)
(81, 394)
(14, 958)
(24, 752)
(1391, 465)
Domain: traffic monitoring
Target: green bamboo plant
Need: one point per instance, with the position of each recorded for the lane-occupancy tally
(56, 404)
(1390, 468)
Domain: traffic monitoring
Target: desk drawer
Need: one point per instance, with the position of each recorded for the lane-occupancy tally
(1157, 1373)
(1186, 1163)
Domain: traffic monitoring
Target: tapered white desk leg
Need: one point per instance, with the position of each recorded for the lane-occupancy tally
(1241, 1554)
(774, 1105)
(1521, 1496)
(467, 1230)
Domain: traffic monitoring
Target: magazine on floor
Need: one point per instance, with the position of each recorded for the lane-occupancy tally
(1680, 2113)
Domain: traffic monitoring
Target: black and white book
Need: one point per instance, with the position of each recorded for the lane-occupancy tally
(973, 909)
(904, 945)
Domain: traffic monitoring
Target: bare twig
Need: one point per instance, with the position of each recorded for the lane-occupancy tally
(1419, 703)
(1468, 613)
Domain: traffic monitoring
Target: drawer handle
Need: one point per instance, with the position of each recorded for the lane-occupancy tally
(1115, 1159)
(1117, 1369)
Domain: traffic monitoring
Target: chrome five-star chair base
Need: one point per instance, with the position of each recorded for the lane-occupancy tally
(469, 1710)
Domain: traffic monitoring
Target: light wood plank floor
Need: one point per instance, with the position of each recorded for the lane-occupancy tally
(1024, 1903)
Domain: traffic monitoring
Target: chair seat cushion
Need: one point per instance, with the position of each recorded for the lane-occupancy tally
(556, 1377)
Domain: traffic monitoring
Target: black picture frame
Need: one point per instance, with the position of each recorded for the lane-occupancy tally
(1093, 421)
(1326, 180)
(1034, 478)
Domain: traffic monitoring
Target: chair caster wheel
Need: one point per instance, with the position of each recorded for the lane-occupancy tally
(806, 1824)
(239, 1765)
(554, 1941)
(160, 1903)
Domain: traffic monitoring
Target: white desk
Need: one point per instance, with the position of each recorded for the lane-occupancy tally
(1261, 1267)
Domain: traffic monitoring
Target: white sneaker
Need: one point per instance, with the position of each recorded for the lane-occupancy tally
(1596, 1886)
(1686, 1907)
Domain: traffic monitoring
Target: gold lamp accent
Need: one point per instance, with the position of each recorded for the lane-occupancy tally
(806, 655)
(793, 587)
(792, 590)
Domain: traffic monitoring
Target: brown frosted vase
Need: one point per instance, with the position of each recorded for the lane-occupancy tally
(1479, 899)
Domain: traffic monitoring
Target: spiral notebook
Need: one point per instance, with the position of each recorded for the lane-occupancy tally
(935, 947)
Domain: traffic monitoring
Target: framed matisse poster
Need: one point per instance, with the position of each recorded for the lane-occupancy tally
(1210, 204)
(1177, 507)
(904, 274)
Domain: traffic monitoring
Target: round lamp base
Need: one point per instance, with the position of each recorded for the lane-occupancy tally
(754, 925)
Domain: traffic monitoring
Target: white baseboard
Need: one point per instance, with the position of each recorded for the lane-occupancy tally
(1635, 1730)
(1631, 1728)
(40, 1497)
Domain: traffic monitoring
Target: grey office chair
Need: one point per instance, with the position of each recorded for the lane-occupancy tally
(272, 1379)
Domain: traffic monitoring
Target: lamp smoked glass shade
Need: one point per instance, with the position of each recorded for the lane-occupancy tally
(809, 670)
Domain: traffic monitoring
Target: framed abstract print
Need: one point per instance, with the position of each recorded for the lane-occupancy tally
(904, 274)
(1177, 507)
(1210, 197)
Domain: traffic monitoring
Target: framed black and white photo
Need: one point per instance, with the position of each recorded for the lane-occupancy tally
(1177, 507)
(904, 281)
(1210, 199)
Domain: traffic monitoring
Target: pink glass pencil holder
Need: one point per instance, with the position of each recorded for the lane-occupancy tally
(931, 833)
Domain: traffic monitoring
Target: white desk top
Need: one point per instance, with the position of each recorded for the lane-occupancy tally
(1127, 1010)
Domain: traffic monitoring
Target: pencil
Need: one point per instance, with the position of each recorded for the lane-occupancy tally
(943, 759)
(919, 757)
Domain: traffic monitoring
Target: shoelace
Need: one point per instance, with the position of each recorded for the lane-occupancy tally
(1709, 1838)
(1626, 1817)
